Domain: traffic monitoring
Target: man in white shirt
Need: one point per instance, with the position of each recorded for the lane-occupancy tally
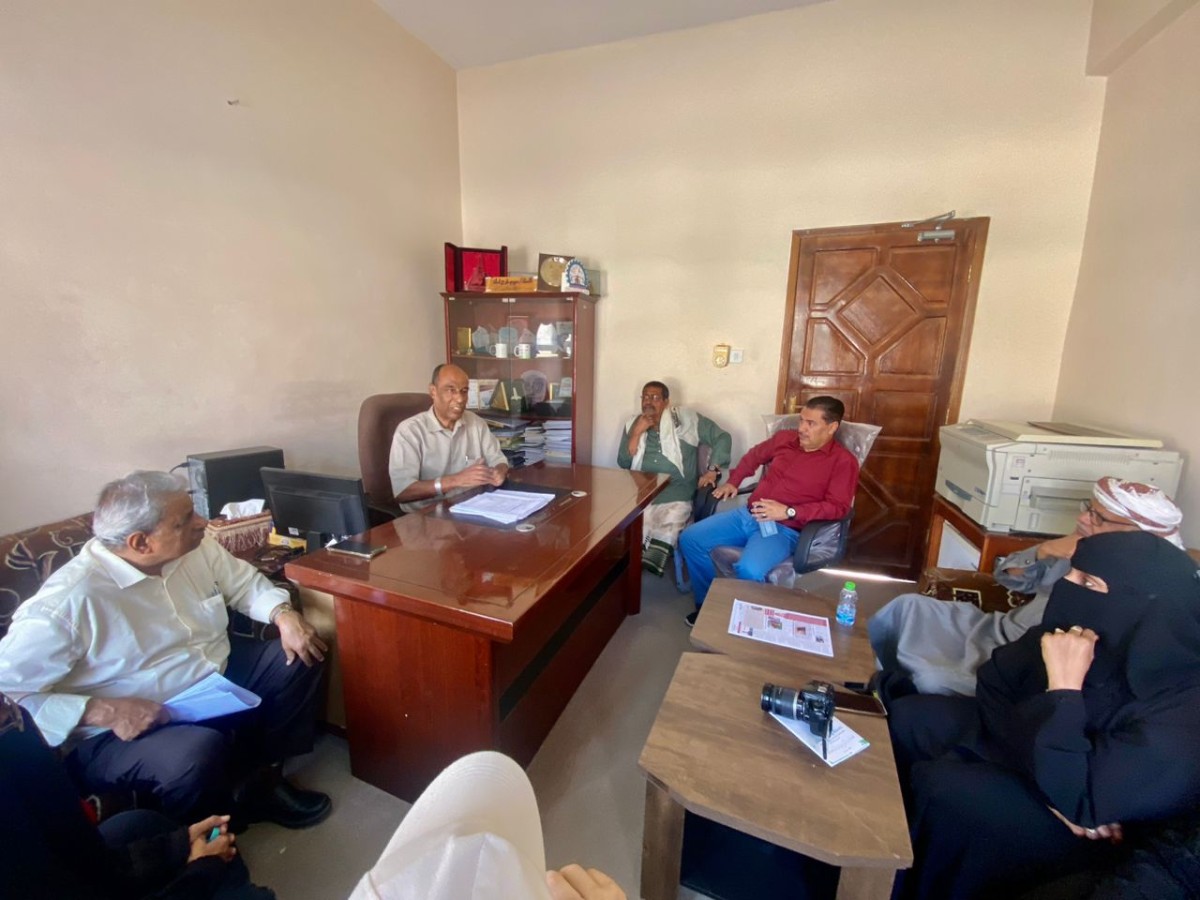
(444, 450)
(140, 615)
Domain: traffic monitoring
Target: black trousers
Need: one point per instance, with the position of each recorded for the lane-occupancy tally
(979, 829)
(192, 768)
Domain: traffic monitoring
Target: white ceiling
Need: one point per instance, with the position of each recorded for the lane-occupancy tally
(469, 33)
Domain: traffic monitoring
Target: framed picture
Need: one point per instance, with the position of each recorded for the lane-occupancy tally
(467, 268)
(550, 270)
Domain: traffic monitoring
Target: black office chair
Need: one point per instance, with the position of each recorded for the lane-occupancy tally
(822, 542)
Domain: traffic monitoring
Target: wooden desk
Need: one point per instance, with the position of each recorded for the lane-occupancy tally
(992, 544)
(464, 637)
(713, 752)
(852, 658)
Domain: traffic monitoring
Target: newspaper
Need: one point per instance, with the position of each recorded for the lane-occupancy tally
(782, 627)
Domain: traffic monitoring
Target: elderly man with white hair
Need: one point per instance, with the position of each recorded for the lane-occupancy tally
(140, 615)
(939, 645)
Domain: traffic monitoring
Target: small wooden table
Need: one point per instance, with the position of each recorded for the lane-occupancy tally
(713, 752)
(852, 656)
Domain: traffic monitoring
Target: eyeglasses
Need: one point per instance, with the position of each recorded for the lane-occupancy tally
(1097, 517)
(652, 398)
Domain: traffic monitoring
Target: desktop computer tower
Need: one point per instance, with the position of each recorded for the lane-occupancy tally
(228, 475)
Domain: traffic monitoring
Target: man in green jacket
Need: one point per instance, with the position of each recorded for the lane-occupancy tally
(667, 439)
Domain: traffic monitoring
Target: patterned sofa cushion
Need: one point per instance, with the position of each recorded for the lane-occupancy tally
(28, 558)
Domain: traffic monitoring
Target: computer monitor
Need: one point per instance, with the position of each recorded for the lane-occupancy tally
(316, 507)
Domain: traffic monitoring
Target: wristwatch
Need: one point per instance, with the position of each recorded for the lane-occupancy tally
(716, 469)
(285, 606)
(791, 511)
(437, 486)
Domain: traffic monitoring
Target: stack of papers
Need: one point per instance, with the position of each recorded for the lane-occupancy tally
(210, 698)
(505, 507)
(535, 443)
(558, 440)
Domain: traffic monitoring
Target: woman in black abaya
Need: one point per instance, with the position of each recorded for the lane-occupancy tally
(1086, 725)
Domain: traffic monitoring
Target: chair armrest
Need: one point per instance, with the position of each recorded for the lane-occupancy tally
(822, 543)
(382, 513)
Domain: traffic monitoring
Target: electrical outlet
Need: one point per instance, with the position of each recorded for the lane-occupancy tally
(735, 356)
(721, 355)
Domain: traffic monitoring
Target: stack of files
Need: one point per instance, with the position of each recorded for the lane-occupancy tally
(535, 443)
(558, 440)
(516, 458)
(505, 507)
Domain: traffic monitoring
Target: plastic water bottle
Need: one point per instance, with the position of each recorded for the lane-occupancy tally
(847, 607)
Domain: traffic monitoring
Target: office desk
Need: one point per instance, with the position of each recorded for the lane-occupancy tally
(464, 637)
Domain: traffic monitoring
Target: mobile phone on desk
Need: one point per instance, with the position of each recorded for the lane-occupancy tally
(863, 704)
(356, 548)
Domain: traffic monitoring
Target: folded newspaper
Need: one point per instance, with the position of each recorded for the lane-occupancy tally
(504, 507)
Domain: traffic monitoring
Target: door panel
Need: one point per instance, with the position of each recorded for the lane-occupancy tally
(882, 321)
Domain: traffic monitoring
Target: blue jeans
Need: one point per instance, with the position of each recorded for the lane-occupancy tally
(735, 528)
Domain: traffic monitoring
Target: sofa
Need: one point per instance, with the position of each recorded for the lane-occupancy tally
(29, 557)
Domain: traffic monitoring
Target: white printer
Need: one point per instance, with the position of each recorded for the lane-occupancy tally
(1032, 476)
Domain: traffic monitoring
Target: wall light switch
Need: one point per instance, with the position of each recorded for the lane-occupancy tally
(735, 355)
(721, 355)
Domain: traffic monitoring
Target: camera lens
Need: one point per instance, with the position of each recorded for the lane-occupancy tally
(780, 700)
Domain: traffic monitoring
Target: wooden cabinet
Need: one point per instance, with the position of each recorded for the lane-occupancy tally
(539, 349)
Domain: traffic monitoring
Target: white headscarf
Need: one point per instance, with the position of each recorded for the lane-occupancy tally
(1146, 507)
(676, 425)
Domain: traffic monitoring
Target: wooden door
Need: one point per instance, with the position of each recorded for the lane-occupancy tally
(880, 317)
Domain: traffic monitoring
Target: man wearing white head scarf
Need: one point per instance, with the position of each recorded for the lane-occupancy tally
(667, 439)
(939, 645)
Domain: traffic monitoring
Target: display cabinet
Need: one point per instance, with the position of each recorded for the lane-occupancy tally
(531, 359)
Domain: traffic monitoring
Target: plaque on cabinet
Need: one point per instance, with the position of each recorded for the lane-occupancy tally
(467, 268)
(550, 270)
(511, 284)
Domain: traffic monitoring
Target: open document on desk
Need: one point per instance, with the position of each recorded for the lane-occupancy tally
(504, 507)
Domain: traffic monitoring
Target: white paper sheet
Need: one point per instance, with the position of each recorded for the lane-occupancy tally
(844, 741)
(504, 507)
(782, 627)
(210, 698)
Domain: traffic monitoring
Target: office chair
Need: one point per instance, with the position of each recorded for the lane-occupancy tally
(822, 542)
(377, 420)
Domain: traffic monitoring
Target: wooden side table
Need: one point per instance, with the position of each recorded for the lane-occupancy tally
(992, 544)
(713, 752)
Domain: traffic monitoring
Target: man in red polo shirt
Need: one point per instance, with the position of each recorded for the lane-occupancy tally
(810, 476)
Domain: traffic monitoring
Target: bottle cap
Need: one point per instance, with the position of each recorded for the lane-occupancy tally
(849, 585)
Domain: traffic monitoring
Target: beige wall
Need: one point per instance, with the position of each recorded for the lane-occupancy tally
(1121, 27)
(1131, 358)
(679, 164)
(179, 274)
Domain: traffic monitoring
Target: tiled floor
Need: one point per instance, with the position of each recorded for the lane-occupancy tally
(585, 775)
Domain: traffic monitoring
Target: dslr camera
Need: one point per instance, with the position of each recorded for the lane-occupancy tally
(813, 704)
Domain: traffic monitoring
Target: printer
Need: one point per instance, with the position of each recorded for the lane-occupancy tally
(1032, 476)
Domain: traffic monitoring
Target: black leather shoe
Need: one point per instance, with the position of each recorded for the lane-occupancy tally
(690, 618)
(286, 805)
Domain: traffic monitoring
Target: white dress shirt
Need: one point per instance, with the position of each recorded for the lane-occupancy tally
(100, 627)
